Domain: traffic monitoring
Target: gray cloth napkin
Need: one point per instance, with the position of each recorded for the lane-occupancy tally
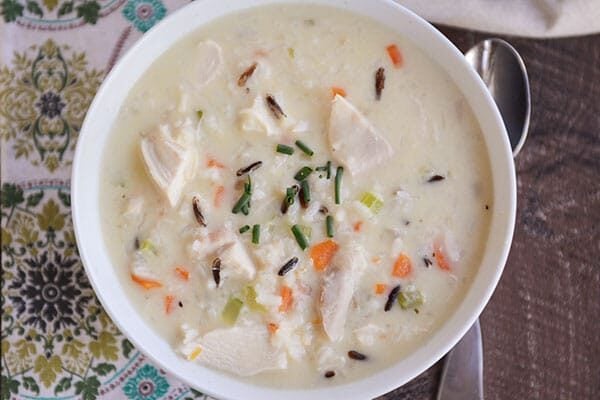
(533, 18)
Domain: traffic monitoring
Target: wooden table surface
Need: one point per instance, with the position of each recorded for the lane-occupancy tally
(541, 329)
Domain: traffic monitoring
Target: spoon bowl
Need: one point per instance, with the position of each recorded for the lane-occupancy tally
(503, 71)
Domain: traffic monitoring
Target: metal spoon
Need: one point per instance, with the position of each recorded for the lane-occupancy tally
(503, 72)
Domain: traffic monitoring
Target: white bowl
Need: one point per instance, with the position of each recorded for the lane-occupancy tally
(85, 188)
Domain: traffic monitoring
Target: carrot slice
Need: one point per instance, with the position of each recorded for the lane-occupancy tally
(272, 328)
(145, 283)
(212, 163)
(336, 90)
(219, 193)
(402, 266)
(322, 253)
(182, 273)
(358, 226)
(440, 256)
(169, 303)
(286, 299)
(395, 55)
(380, 288)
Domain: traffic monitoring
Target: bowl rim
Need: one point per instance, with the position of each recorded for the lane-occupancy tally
(86, 215)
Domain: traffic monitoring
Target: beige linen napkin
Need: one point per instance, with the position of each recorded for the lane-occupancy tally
(534, 18)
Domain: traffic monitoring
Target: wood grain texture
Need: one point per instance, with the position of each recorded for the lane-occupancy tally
(541, 329)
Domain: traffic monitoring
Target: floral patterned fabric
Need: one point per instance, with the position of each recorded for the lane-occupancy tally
(57, 341)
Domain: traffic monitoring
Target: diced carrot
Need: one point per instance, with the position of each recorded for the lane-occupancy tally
(395, 55)
(286, 299)
(183, 273)
(219, 193)
(440, 256)
(336, 90)
(402, 266)
(145, 283)
(322, 253)
(212, 163)
(380, 288)
(169, 303)
(272, 328)
(357, 226)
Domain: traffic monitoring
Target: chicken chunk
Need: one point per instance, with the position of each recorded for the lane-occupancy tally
(354, 141)
(242, 350)
(236, 260)
(169, 163)
(258, 118)
(209, 58)
(225, 244)
(338, 288)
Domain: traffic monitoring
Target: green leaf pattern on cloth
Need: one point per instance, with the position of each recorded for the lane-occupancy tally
(56, 340)
(43, 100)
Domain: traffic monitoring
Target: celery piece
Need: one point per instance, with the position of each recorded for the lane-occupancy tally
(372, 202)
(410, 298)
(232, 310)
(147, 245)
(249, 295)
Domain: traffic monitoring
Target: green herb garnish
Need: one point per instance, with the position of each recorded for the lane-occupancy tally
(300, 237)
(329, 226)
(284, 149)
(304, 193)
(244, 229)
(256, 234)
(242, 203)
(303, 173)
(199, 114)
(302, 146)
(338, 184)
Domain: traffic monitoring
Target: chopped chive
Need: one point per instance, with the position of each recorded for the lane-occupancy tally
(303, 173)
(288, 266)
(256, 234)
(338, 184)
(248, 186)
(304, 193)
(199, 114)
(246, 209)
(328, 166)
(300, 238)
(291, 52)
(285, 149)
(244, 229)
(329, 225)
(302, 146)
(241, 203)
(290, 195)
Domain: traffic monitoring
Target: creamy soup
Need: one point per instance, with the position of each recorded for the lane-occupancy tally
(295, 195)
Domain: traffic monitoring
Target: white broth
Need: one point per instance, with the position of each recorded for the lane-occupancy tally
(403, 244)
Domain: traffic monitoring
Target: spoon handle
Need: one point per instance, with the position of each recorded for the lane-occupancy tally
(462, 377)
